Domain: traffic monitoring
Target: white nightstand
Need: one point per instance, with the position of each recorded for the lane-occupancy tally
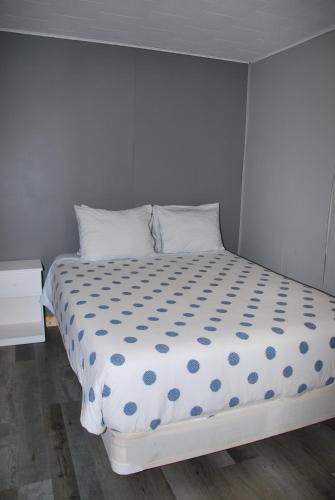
(21, 314)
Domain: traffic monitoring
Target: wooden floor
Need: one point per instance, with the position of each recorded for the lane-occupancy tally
(45, 453)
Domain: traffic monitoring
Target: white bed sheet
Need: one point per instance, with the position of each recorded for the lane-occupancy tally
(169, 338)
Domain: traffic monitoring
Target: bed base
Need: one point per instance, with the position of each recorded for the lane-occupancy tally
(135, 452)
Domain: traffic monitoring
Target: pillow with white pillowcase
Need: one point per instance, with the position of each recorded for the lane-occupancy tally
(186, 229)
(106, 234)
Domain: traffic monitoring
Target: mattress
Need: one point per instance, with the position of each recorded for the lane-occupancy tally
(176, 337)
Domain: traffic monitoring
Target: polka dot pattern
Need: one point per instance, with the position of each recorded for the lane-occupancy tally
(167, 337)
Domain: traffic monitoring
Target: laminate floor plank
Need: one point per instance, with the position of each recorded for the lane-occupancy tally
(8, 456)
(307, 464)
(268, 479)
(287, 452)
(7, 361)
(24, 352)
(198, 479)
(36, 491)
(32, 451)
(82, 448)
(220, 459)
(11, 494)
(319, 441)
(331, 423)
(62, 472)
(61, 384)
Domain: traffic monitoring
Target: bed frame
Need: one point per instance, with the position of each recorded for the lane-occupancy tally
(129, 453)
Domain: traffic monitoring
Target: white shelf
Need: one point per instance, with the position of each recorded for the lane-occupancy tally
(21, 314)
(21, 333)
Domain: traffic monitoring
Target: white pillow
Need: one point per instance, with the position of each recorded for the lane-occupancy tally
(106, 234)
(183, 229)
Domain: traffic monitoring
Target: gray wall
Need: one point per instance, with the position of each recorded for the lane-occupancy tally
(111, 127)
(290, 162)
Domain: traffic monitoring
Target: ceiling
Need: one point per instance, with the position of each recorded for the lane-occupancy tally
(239, 30)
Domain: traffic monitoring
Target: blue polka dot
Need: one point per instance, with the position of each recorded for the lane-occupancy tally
(193, 366)
(287, 372)
(180, 323)
(81, 302)
(141, 327)
(215, 385)
(130, 340)
(173, 394)
(91, 395)
(277, 330)
(137, 304)
(269, 394)
(101, 333)
(89, 315)
(115, 321)
(309, 325)
(155, 423)
(103, 306)
(242, 335)
(149, 377)
(332, 342)
(252, 378)
(318, 365)
(234, 402)
(195, 411)
(153, 318)
(80, 335)
(106, 391)
(270, 352)
(245, 323)
(233, 359)
(130, 408)
(162, 348)
(92, 358)
(303, 347)
(330, 381)
(204, 341)
(210, 328)
(117, 359)
(302, 388)
(161, 309)
(171, 334)
(126, 313)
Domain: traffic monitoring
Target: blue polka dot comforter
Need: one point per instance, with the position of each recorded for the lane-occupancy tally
(175, 337)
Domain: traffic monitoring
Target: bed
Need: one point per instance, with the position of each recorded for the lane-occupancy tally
(184, 355)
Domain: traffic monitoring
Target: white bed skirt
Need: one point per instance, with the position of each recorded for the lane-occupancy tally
(129, 453)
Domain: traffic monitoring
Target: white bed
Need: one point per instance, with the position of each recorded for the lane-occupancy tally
(183, 355)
